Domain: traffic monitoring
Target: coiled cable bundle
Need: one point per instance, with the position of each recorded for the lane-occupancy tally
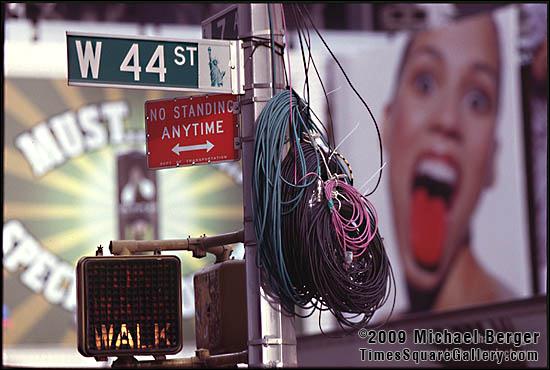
(319, 247)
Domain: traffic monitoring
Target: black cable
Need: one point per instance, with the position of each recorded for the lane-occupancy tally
(301, 256)
(273, 88)
(360, 288)
(356, 93)
(330, 133)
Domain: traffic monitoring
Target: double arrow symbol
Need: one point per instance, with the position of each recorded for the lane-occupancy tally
(177, 148)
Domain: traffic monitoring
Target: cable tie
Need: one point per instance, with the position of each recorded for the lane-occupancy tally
(348, 258)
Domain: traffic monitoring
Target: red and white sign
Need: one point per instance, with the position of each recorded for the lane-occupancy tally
(191, 131)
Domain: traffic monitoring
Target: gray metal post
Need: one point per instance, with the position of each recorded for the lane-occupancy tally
(271, 335)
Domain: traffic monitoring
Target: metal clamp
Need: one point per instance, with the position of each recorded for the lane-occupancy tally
(260, 33)
(255, 99)
(262, 41)
(270, 341)
(236, 108)
(199, 252)
(237, 143)
(264, 85)
(247, 139)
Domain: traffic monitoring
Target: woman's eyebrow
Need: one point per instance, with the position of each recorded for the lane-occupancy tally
(487, 69)
(479, 66)
(427, 49)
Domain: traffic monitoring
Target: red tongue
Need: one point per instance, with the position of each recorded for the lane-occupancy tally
(428, 227)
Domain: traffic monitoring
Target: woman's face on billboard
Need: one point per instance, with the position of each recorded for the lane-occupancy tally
(440, 137)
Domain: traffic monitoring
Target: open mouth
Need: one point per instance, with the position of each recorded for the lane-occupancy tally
(434, 185)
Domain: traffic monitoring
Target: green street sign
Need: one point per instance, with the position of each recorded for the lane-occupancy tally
(156, 64)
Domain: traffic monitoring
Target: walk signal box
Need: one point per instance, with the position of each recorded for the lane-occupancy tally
(129, 305)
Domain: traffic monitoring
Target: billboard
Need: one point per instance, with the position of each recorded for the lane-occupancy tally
(75, 177)
(533, 47)
(137, 197)
(452, 201)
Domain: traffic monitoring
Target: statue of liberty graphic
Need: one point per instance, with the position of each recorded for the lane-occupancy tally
(216, 76)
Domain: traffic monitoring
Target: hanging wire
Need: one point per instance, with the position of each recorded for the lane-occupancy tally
(319, 247)
(304, 14)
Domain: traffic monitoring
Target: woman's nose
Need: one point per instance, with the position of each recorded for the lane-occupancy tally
(445, 119)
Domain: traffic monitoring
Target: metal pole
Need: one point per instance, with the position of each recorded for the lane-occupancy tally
(271, 335)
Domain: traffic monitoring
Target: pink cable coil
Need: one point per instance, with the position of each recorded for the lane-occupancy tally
(361, 207)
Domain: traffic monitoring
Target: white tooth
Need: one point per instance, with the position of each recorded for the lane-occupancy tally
(439, 170)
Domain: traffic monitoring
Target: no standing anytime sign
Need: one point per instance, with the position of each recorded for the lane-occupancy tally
(192, 131)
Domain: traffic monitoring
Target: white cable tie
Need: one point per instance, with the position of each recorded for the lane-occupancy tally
(344, 139)
(314, 134)
(321, 145)
(333, 91)
(374, 174)
(330, 92)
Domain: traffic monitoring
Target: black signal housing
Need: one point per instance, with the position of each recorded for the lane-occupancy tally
(129, 306)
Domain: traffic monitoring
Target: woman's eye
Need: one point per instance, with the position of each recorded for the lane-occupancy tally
(478, 101)
(424, 83)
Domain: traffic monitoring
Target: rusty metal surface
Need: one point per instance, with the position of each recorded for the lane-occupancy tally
(220, 306)
(215, 245)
